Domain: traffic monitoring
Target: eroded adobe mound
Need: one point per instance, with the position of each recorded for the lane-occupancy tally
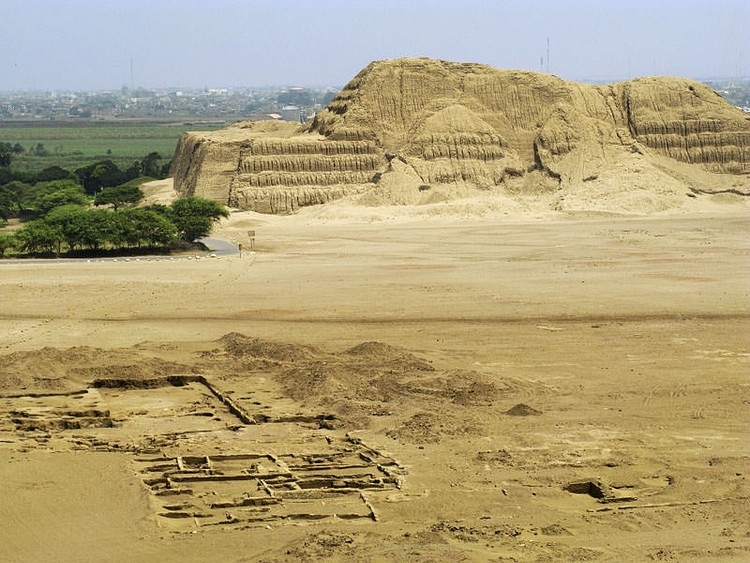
(420, 130)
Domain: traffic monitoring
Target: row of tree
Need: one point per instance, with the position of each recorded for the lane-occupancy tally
(55, 186)
(92, 177)
(105, 173)
(7, 151)
(94, 208)
(72, 227)
(18, 199)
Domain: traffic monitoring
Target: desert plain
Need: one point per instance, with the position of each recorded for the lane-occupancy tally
(386, 385)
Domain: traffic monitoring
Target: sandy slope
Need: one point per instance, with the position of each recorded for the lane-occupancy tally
(627, 334)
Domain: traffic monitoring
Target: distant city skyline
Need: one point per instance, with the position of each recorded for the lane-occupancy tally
(106, 44)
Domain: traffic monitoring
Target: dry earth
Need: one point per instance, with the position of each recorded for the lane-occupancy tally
(388, 385)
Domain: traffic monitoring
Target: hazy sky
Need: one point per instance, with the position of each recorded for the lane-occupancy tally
(89, 44)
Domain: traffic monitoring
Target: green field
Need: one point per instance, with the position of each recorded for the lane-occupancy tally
(73, 145)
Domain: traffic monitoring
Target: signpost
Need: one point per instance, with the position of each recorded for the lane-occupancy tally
(251, 236)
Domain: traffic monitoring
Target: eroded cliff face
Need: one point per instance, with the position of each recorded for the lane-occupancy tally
(409, 128)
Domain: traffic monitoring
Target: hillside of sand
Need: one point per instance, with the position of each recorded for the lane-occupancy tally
(421, 131)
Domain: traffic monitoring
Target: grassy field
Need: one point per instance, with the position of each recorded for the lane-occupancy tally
(73, 145)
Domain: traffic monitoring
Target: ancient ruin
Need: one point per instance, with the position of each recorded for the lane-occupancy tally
(413, 131)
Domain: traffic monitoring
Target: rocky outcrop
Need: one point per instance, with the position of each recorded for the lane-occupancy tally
(403, 130)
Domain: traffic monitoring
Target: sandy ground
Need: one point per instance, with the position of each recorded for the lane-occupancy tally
(447, 388)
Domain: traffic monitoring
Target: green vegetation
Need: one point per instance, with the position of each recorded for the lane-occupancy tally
(119, 195)
(73, 227)
(49, 193)
(35, 147)
(104, 174)
(59, 193)
(6, 154)
(194, 217)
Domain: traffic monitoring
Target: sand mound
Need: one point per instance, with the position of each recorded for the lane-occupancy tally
(374, 349)
(370, 378)
(522, 409)
(378, 353)
(158, 192)
(55, 369)
(421, 132)
(238, 346)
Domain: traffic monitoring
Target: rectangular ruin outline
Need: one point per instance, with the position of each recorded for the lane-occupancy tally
(345, 472)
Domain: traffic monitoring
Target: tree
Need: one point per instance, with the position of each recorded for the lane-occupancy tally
(70, 221)
(6, 154)
(165, 168)
(160, 208)
(81, 227)
(6, 175)
(138, 226)
(150, 165)
(67, 193)
(98, 175)
(155, 229)
(40, 150)
(130, 173)
(23, 195)
(38, 236)
(54, 173)
(119, 196)
(8, 203)
(7, 241)
(97, 228)
(194, 217)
